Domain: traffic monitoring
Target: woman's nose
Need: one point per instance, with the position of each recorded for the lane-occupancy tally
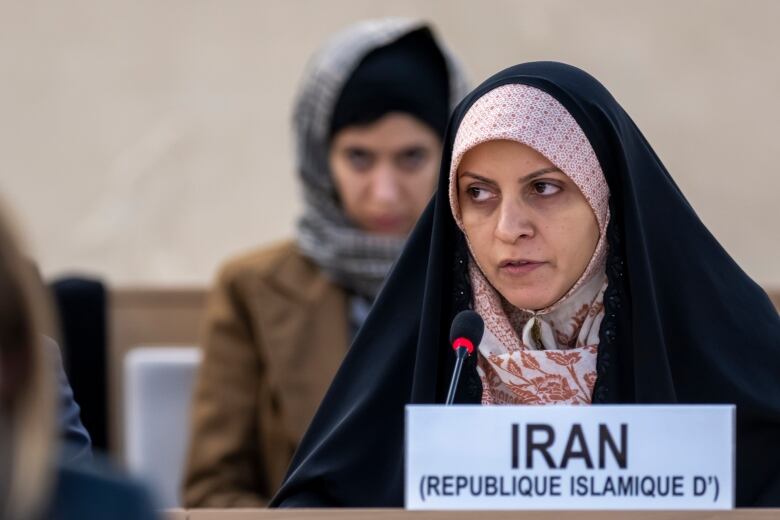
(513, 222)
(385, 187)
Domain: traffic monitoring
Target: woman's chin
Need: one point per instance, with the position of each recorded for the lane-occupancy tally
(529, 300)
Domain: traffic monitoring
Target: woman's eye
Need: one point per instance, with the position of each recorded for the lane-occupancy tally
(479, 194)
(545, 188)
(411, 160)
(360, 159)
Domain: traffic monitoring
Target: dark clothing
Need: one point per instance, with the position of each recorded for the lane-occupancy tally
(683, 323)
(81, 312)
(86, 495)
(76, 444)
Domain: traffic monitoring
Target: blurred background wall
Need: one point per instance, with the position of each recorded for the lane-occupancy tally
(145, 141)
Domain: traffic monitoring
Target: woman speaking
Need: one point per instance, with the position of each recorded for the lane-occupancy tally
(596, 281)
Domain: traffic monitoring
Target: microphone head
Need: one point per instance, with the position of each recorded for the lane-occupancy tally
(466, 330)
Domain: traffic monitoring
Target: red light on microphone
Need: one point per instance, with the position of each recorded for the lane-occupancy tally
(463, 342)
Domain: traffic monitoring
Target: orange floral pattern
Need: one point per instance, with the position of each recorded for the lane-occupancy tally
(538, 377)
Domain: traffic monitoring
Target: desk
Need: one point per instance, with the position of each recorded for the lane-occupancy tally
(400, 514)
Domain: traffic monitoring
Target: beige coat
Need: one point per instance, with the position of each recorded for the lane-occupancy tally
(275, 333)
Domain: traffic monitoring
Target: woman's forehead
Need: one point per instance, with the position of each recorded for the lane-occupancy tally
(498, 151)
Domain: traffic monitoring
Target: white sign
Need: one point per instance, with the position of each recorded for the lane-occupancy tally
(570, 457)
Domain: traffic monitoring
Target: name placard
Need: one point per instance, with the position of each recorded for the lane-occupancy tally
(570, 457)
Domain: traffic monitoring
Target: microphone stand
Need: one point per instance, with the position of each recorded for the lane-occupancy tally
(460, 355)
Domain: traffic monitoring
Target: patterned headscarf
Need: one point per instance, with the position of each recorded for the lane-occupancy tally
(549, 355)
(354, 259)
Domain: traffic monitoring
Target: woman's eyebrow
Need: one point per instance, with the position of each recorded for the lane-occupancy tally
(478, 177)
(356, 149)
(530, 176)
(539, 173)
(416, 148)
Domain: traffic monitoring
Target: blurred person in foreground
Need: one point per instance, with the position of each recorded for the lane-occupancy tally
(76, 448)
(369, 117)
(32, 483)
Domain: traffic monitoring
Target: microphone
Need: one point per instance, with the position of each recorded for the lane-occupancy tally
(465, 335)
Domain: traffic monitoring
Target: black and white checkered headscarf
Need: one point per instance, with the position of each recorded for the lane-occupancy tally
(355, 259)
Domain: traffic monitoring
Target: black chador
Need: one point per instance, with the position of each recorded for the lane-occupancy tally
(683, 323)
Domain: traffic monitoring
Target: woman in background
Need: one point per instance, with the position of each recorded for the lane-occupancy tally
(556, 222)
(31, 483)
(369, 117)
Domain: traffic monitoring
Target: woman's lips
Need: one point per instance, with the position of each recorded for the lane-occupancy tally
(387, 223)
(519, 267)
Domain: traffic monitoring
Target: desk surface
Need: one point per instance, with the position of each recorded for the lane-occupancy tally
(400, 514)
